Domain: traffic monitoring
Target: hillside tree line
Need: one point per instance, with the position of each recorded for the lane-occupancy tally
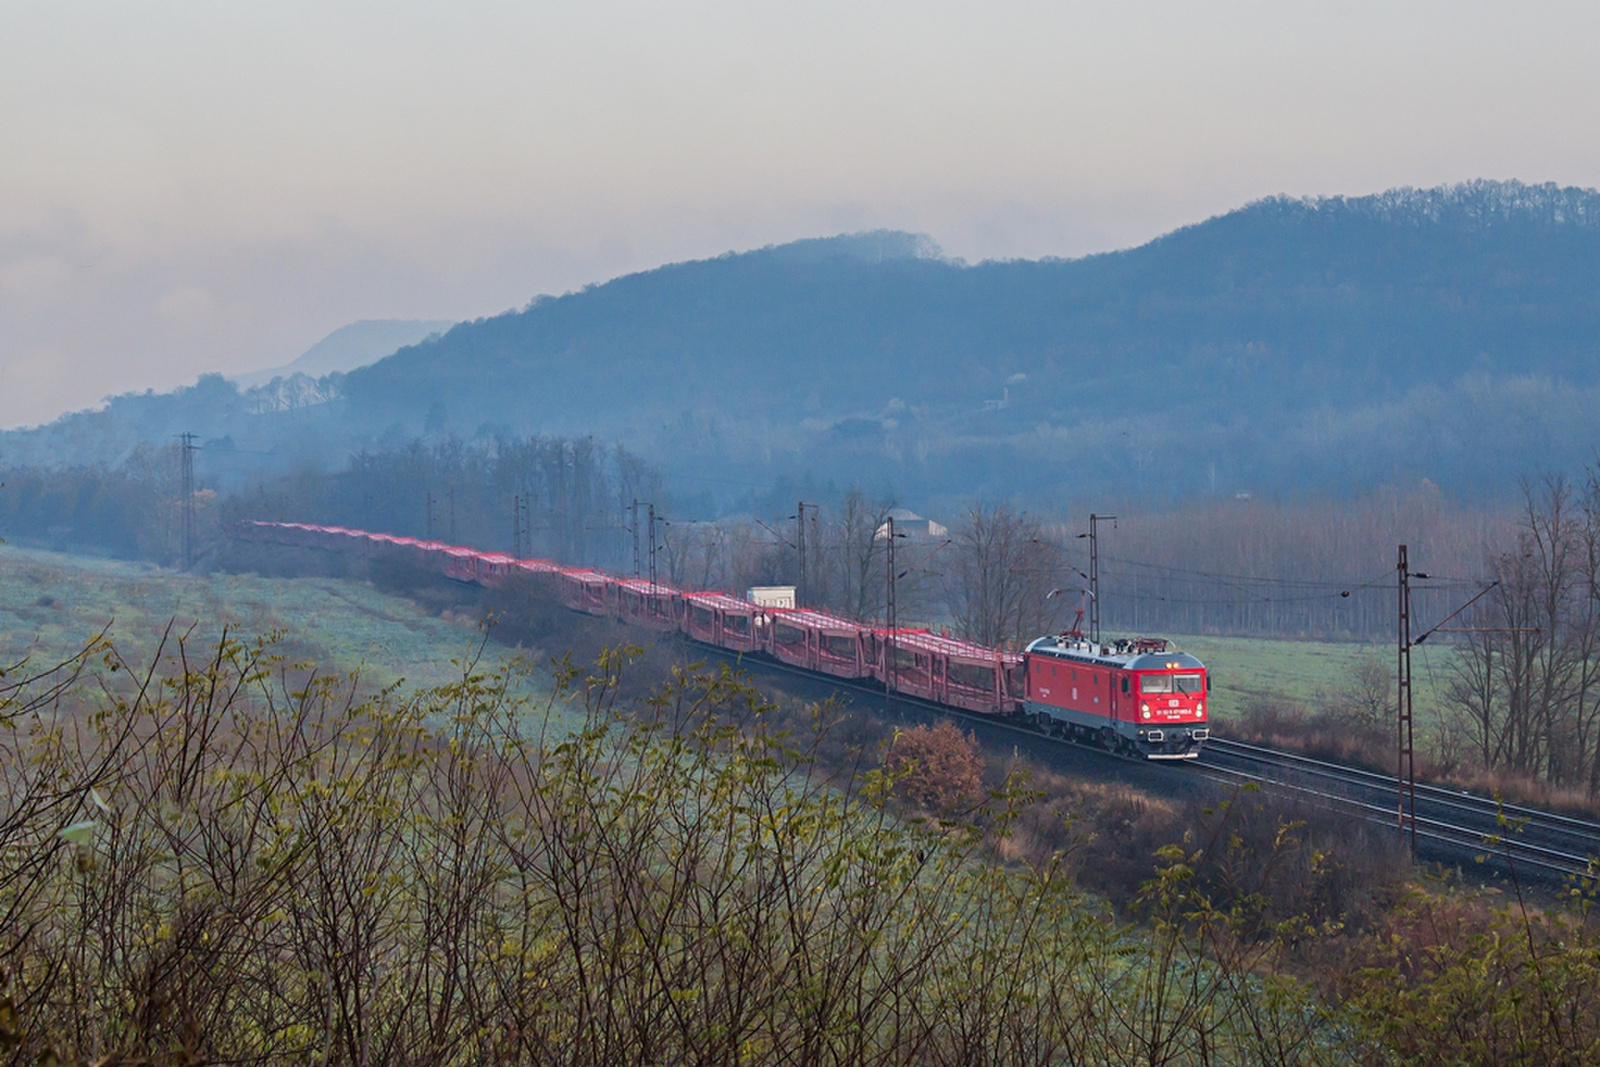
(563, 498)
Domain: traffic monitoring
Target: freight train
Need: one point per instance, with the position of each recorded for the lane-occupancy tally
(1136, 697)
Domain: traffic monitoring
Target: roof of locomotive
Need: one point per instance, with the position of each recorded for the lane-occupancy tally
(1123, 656)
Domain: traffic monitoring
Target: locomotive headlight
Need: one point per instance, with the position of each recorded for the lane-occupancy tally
(1145, 709)
(1200, 710)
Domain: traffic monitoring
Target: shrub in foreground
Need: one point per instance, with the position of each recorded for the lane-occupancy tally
(229, 859)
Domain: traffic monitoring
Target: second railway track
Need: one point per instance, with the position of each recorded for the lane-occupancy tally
(1451, 825)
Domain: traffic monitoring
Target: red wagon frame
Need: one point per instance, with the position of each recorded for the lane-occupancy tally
(818, 641)
(725, 621)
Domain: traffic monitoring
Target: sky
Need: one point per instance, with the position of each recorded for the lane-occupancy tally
(193, 187)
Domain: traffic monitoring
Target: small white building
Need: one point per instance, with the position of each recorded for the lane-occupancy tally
(771, 596)
(910, 524)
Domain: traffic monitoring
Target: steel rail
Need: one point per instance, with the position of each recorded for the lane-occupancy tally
(1549, 822)
(1487, 825)
(1387, 781)
(1500, 845)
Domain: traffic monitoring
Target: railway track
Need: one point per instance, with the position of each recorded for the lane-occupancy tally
(1451, 825)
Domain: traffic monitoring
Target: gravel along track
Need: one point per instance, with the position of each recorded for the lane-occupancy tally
(1452, 826)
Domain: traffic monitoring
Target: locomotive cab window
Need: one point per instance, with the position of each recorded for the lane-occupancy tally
(1188, 683)
(1155, 683)
(1124, 685)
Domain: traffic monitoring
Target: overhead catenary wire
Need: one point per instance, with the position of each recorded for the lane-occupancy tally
(1229, 601)
(1221, 576)
(1335, 591)
(1172, 597)
(1270, 580)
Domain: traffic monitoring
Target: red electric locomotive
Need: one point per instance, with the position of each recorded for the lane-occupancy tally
(1137, 697)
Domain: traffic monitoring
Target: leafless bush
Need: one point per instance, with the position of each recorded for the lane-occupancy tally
(936, 768)
(1265, 852)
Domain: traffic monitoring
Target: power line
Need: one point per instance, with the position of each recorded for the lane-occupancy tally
(1260, 579)
(1292, 598)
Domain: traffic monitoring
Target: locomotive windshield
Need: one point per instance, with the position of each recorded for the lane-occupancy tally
(1172, 683)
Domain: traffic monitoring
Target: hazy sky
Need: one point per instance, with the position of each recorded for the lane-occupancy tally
(216, 185)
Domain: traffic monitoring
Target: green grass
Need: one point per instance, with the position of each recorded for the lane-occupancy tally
(1244, 668)
(1313, 673)
(51, 604)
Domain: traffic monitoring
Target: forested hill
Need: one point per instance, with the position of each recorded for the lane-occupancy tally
(1323, 344)
(1452, 333)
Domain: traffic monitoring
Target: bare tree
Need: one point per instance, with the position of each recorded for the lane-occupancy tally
(1525, 680)
(1368, 697)
(1000, 581)
(695, 555)
(855, 553)
(1586, 680)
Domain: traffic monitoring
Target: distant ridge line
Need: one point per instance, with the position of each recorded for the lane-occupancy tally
(1480, 200)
